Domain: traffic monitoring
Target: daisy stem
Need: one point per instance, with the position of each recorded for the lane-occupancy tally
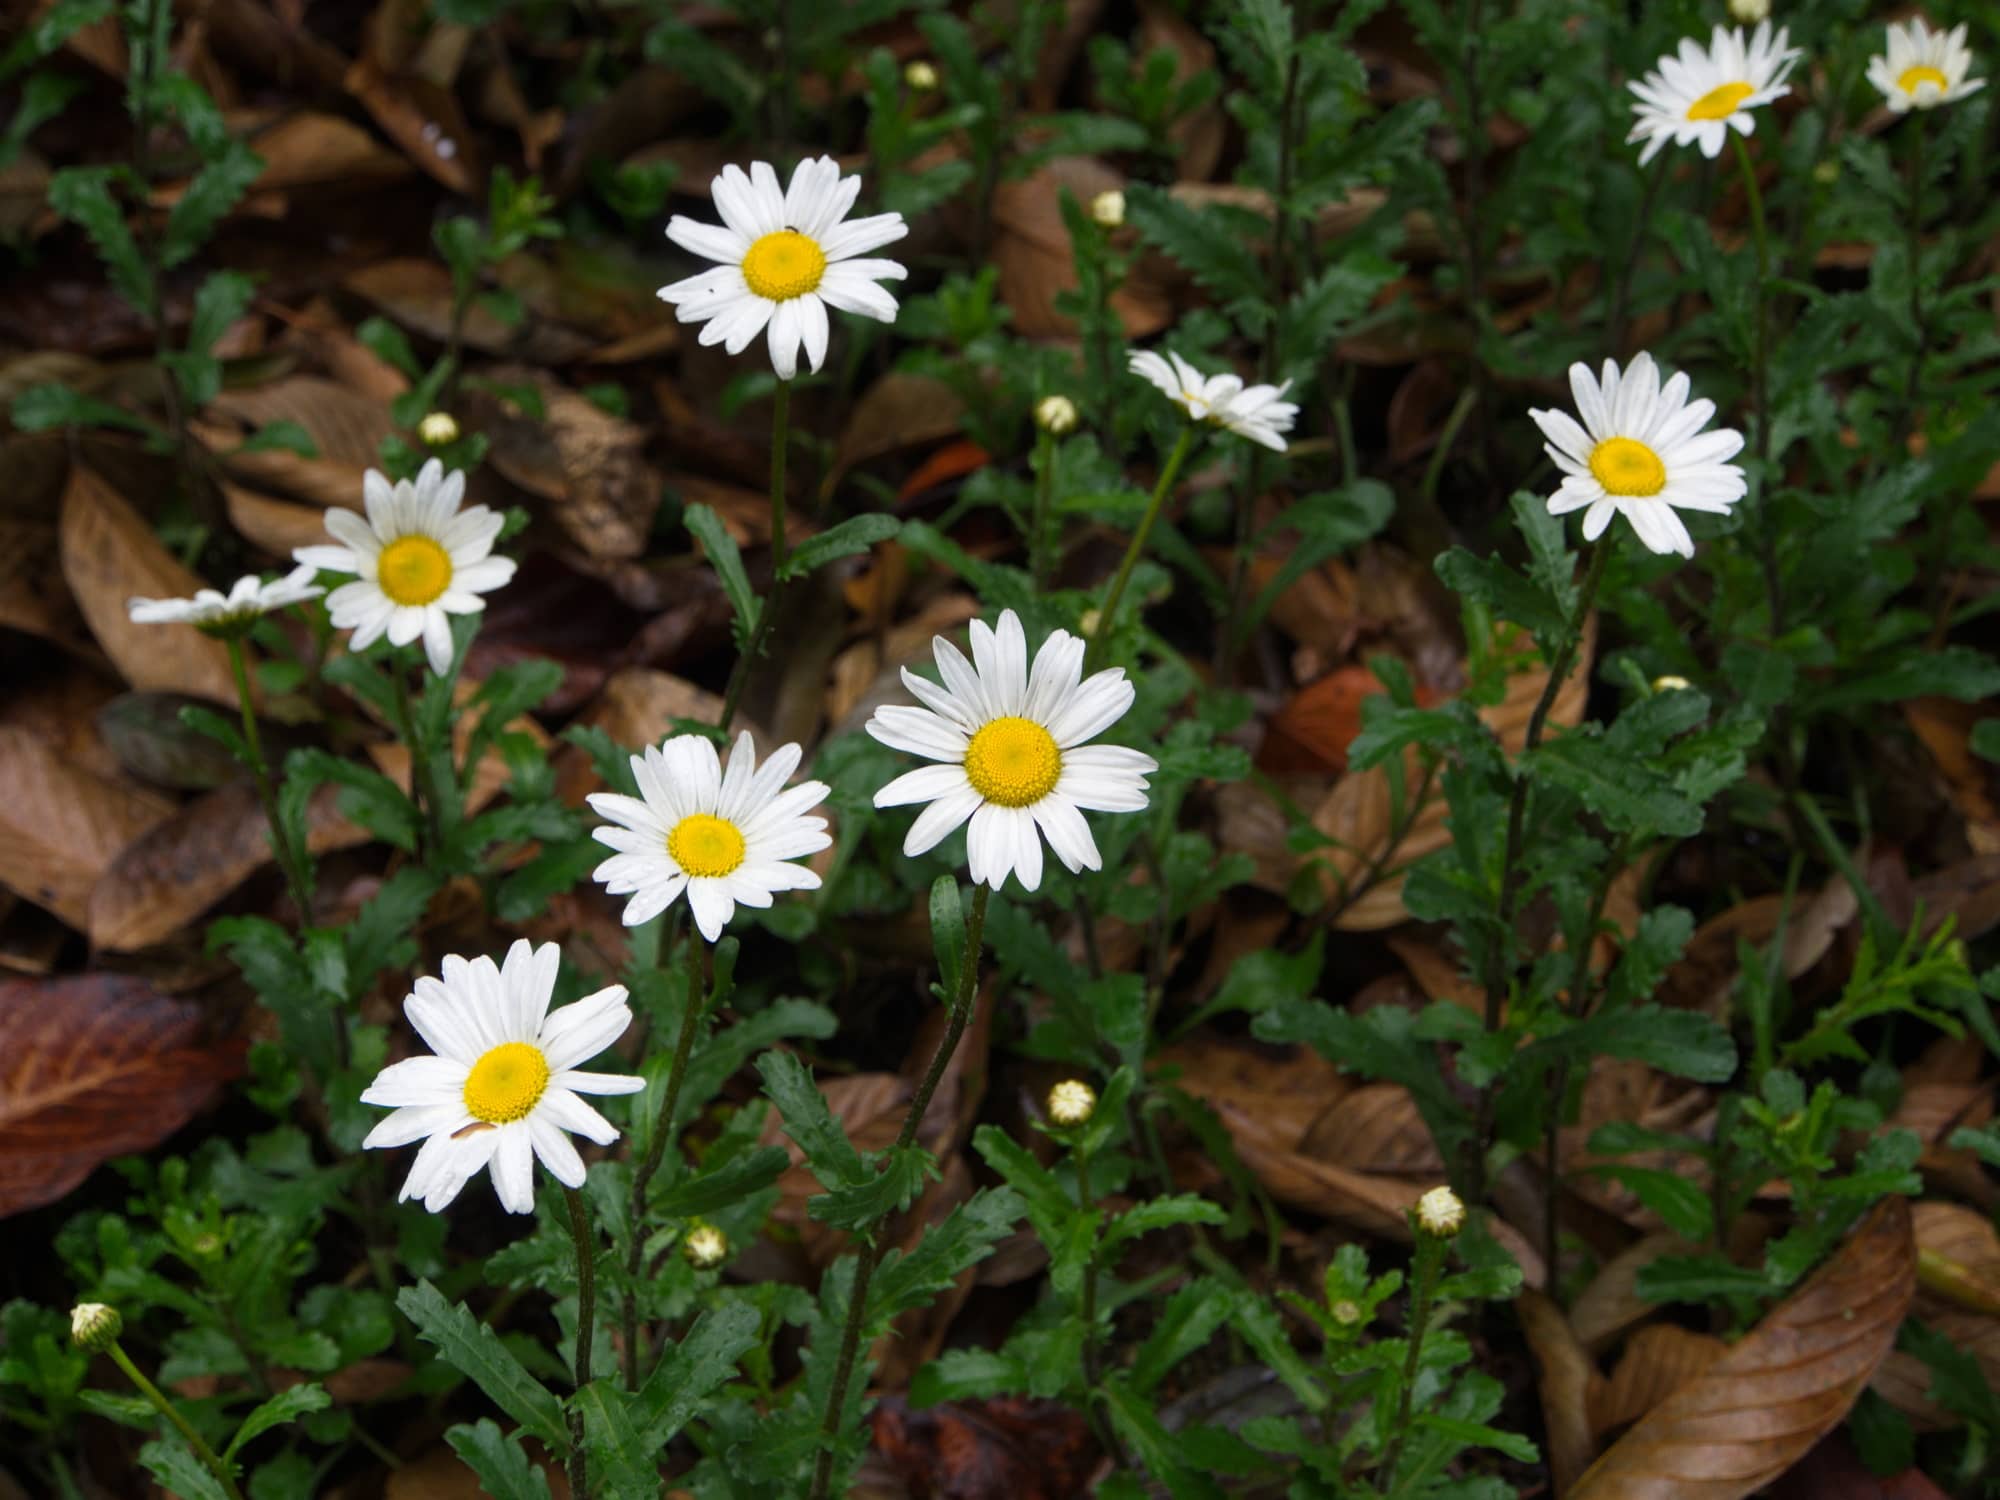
(289, 859)
(1621, 290)
(781, 422)
(166, 1408)
(656, 1149)
(1760, 400)
(586, 1328)
(426, 807)
(872, 1251)
(1108, 613)
(1038, 532)
(1913, 388)
(1424, 1268)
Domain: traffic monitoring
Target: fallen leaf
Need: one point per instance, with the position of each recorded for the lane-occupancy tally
(441, 1474)
(898, 411)
(1003, 1448)
(1834, 1471)
(110, 555)
(586, 463)
(1958, 1255)
(1760, 1408)
(417, 294)
(61, 826)
(1568, 1382)
(1904, 1380)
(1658, 1360)
(1036, 263)
(1945, 728)
(91, 1067)
(423, 118)
(1610, 1304)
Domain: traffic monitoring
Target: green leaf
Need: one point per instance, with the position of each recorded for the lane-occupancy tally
(707, 528)
(1211, 244)
(1626, 793)
(83, 196)
(947, 932)
(475, 1351)
(1683, 1205)
(705, 1357)
(1161, 1213)
(1685, 1043)
(1185, 1324)
(1489, 581)
(1135, 1416)
(731, 1183)
(810, 1123)
(499, 1460)
(283, 436)
(41, 407)
(215, 190)
(965, 1375)
(967, 1236)
(623, 1463)
(857, 1205)
(285, 1407)
(1961, 672)
(1258, 1321)
(855, 534)
(169, 1461)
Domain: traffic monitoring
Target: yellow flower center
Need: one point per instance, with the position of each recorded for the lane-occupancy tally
(1013, 762)
(1626, 466)
(705, 847)
(413, 570)
(1720, 103)
(1914, 78)
(506, 1083)
(784, 265)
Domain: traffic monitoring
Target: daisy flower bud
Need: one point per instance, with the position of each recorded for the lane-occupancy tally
(1922, 69)
(705, 1247)
(1071, 1103)
(1699, 96)
(214, 613)
(1440, 1213)
(1253, 412)
(1750, 12)
(438, 429)
(920, 76)
(1108, 208)
(94, 1327)
(1056, 414)
(1671, 684)
(1346, 1313)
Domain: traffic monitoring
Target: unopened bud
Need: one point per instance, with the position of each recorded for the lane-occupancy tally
(1346, 1313)
(1671, 684)
(1087, 626)
(1750, 12)
(705, 1247)
(1071, 1103)
(1440, 1213)
(920, 76)
(1108, 208)
(1826, 173)
(95, 1327)
(438, 429)
(1056, 414)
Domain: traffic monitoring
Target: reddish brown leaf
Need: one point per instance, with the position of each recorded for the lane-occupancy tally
(1760, 1408)
(92, 1067)
(1002, 1449)
(61, 825)
(1658, 1361)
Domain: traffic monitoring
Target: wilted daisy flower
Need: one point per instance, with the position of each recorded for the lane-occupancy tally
(1702, 95)
(215, 613)
(786, 257)
(723, 837)
(1923, 68)
(1015, 759)
(420, 559)
(1255, 413)
(1640, 451)
(502, 1088)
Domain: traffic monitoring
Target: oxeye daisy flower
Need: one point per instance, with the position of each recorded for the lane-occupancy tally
(502, 1088)
(1255, 412)
(1013, 752)
(419, 561)
(215, 613)
(786, 256)
(1923, 68)
(724, 837)
(1703, 94)
(1640, 452)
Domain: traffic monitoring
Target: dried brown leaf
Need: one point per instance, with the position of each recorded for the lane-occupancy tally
(1658, 1360)
(1904, 1380)
(91, 1067)
(587, 464)
(1568, 1382)
(61, 825)
(1958, 1255)
(1035, 262)
(1611, 1304)
(1759, 1408)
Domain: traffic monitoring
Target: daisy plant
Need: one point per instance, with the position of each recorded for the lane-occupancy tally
(1257, 413)
(230, 618)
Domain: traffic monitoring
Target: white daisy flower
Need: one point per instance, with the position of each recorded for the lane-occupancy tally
(217, 613)
(1640, 452)
(723, 837)
(786, 257)
(1015, 761)
(1923, 68)
(1702, 95)
(502, 1088)
(1255, 413)
(420, 559)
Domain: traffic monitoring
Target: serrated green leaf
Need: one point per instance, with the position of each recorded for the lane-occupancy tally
(735, 1180)
(966, 1237)
(810, 1123)
(169, 1461)
(499, 1460)
(707, 528)
(1186, 1323)
(623, 1463)
(1489, 581)
(475, 1351)
(83, 196)
(286, 1407)
(855, 534)
(684, 1378)
(216, 189)
(1626, 793)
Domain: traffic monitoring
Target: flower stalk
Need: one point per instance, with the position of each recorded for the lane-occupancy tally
(781, 423)
(290, 860)
(1109, 610)
(210, 1459)
(586, 1328)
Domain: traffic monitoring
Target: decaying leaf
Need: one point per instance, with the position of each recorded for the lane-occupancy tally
(1958, 1255)
(1904, 1380)
(1658, 1360)
(92, 1067)
(1568, 1382)
(61, 825)
(1759, 1408)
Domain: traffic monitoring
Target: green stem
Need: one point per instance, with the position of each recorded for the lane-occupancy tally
(1038, 525)
(586, 1328)
(781, 424)
(1760, 400)
(166, 1408)
(431, 827)
(1837, 855)
(1621, 289)
(1424, 1268)
(290, 860)
(871, 1254)
(1913, 387)
(656, 1147)
(1108, 612)
(1107, 1439)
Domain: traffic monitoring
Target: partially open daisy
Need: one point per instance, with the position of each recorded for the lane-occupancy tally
(420, 560)
(1702, 95)
(724, 837)
(215, 613)
(1640, 452)
(502, 1088)
(1012, 744)
(786, 256)
(1256, 412)
(1923, 68)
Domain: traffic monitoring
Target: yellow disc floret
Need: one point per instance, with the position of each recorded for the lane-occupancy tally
(705, 847)
(413, 570)
(1013, 762)
(1720, 103)
(784, 265)
(1626, 466)
(506, 1083)
(1916, 77)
